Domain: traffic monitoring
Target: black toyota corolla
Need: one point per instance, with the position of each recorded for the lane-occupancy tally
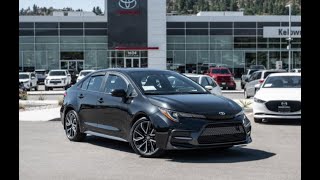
(153, 110)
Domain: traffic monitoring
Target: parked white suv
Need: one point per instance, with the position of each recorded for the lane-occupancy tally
(29, 80)
(57, 79)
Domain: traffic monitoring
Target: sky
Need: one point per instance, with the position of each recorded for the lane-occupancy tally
(86, 5)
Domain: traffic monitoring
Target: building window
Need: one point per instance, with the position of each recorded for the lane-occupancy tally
(72, 55)
(175, 25)
(197, 24)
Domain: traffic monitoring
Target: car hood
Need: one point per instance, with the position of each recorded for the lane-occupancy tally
(268, 94)
(56, 77)
(206, 104)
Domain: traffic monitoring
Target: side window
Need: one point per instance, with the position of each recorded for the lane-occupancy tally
(115, 82)
(32, 75)
(211, 82)
(259, 75)
(252, 77)
(85, 84)
(204, 82)
(95, 83)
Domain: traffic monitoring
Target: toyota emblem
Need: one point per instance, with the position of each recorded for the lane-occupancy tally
(222, 113)
(284, 104)
(127, 4)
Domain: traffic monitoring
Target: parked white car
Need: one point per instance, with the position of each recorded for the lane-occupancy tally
(57, 79)
(83, 73)
(279, 97)
(29, 80)
(296, 70)
(207, 82)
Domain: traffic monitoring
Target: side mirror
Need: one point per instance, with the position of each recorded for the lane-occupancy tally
(69, 74)
(208, 88)
(257, 86)
(119, 93)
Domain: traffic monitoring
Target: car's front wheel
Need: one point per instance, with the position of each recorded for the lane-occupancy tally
(142, 139)
(72, 127)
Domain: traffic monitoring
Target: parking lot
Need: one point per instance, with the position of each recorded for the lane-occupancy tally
(44, 151)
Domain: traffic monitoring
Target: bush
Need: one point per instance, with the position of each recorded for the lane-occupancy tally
(41, 97)
(23, 95)
(60, 103)
(245, 104)
(21, 106)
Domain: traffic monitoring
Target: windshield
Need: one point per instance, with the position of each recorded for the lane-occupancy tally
(84, 73)
(283, 82)
(195, 79)
(160, 83)
(57, 73)
(23, 76)
(220, 71)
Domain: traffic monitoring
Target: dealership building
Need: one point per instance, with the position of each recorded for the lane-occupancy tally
(140, 33)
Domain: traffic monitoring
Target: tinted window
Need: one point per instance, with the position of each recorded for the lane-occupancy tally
(26, 25)
(95, 25)
(197, 32)
(175, 32)
(44, 32)
(85, 84)
(84, 73)
(71, 25)
(95, 83)
(96, 32)
(258, 75)
(252, 71)
(244, 31)
(220, 71)
(175, 25)
(197, 25)
(71, 32)
(204, 82)
(244, 24)
(253, 76)
(46, 25)
(115, 82)
(26, 32)
(220, 31)
(266, 74)
(195, 79)
(23, 76)
(72, 55)
(221, 25)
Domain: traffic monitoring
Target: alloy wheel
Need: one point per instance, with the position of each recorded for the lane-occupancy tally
(144, 138)
(71, 125)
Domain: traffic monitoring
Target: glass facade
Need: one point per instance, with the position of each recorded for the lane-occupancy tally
(193, 46)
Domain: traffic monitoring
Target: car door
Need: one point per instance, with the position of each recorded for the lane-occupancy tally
(87, 100)
(250, 83)
(113, 111)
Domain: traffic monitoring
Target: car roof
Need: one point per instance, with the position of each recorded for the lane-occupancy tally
(24, 72)
(271, 70)
(285, 74)
(87, 70)
(59, 70)
(127, 70)
(193, 75)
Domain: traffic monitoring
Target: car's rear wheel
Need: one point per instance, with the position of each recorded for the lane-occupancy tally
(72, 127)
(257, 120)
(142, 139)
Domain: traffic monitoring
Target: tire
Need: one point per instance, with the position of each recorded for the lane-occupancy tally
(246, 95)
(143, 134)
(242, 86)
(257, 120)
(36, 88)
(46, 88)
(71, 124)
(66, 87)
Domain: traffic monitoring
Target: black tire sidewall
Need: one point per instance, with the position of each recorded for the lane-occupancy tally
(79, 136)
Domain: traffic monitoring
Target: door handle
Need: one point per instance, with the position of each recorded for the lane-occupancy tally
(100, 100)
(81, 96)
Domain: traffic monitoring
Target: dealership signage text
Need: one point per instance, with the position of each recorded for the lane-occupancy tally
(281, 32)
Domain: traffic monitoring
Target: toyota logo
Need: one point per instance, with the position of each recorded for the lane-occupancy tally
(222, 113)
(284, 103)
(127, 4)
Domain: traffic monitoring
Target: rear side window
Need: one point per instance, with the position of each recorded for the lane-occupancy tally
(115, 82)
(211, 82)
(95, 83)
(266, 74)
(204, 82)
(259, 75)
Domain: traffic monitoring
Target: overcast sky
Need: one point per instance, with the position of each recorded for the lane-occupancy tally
(86, 5)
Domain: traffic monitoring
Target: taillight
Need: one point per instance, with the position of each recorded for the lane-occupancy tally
(261, 81)
(65, 94)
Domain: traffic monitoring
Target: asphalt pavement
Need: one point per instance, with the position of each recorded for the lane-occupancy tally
(46, 153)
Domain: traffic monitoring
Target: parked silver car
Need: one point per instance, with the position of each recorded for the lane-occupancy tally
(257, 79)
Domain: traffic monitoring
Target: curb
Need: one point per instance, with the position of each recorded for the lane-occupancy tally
(44, 93)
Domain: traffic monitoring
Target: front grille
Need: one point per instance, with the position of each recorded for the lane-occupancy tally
(55, 81)
(274, 105)
(222, 133)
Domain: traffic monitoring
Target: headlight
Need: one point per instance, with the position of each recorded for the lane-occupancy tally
(174, 116)
(246, 121)
(258, 100)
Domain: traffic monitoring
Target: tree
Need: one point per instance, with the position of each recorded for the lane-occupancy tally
(94, 10)
(98, 11)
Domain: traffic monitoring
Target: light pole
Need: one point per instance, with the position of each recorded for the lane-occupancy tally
(289, 39)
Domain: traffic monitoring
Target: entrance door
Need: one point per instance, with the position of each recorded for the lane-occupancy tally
(133, 63)
(72, 64)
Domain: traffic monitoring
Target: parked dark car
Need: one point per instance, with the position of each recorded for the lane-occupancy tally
(143, 107)
(41, 75)
(74, 75)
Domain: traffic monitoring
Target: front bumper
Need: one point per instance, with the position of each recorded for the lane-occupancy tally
(193, 134)
(59, 84)
(260, 111)
(227, 84)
